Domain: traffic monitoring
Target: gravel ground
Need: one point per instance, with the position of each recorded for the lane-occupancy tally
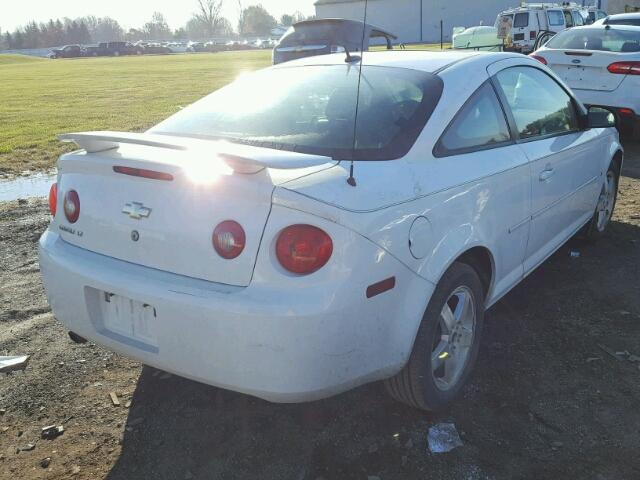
(546, 400)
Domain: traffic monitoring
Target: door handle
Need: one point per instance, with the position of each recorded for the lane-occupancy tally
(546, 174)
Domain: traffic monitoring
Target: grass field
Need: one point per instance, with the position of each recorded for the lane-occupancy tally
(40, 98)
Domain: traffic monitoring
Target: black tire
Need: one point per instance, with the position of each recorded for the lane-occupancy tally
(594, 229)
(415, 384)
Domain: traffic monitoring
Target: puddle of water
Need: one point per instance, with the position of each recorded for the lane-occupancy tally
(23, 187)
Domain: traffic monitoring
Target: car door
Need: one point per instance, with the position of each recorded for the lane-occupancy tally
(555, 19)
(563, 156)
(479, 146)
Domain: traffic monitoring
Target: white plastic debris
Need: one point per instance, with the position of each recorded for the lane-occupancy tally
(11, 364)
(443, 438)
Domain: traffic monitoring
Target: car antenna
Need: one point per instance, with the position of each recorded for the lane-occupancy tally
(351, 180)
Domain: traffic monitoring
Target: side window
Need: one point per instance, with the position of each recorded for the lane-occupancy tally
(521, 20)
(480, 124)
(556, 18)
(540, 106)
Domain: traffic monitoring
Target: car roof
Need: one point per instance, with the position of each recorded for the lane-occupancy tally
(602, 26)
(427, 61)
(622, 16)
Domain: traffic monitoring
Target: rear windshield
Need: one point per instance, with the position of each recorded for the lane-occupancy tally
(556, 17)
(323, 34)
(521, 20)
(606, 40)
(624, 21)
(311, 109)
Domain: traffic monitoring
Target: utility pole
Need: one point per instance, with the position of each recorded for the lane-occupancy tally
(421, 21)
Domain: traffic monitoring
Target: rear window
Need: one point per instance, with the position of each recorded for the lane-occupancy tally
(336, 33)
(556, 18)
(624, 21)
(606, 40)
(521, 20)
(312, 110)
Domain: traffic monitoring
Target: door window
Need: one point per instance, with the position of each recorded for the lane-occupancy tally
(521, 20)
(556, 19)
(479, 125)
(540, 106)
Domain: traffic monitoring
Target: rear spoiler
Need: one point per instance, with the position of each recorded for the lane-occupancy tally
(241, 158)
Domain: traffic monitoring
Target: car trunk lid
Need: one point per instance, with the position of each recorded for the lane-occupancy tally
(584, 69)
(154, 200)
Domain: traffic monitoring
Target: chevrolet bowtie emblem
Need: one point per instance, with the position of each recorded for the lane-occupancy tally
(136, 210)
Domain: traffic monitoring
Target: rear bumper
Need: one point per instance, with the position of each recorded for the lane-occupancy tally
(261, 340)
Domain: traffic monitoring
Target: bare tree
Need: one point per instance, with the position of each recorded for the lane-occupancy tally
(240, 17)
(208, 14)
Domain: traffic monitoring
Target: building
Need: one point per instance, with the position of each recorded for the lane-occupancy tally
(416, 21)
(621, 6)
(419, 20)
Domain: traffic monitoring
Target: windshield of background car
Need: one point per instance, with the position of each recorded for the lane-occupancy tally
(607, 40)
(312, 110)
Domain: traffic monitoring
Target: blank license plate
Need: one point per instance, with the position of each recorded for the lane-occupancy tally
(129, 318)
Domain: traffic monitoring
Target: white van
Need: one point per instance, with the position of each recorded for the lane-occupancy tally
(528, 21)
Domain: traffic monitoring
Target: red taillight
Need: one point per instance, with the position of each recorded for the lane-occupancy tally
(71, 206)
(625, 68)
(626, 112)
(303, 249)
(53, 199)
(539, 58)
(229, 239)
(533, 34)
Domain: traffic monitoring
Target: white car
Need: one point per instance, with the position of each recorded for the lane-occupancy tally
(254, 243)
(601, 64)
(478, 38)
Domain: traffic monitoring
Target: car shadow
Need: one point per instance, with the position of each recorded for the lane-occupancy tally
(536, 385)
(631, 166)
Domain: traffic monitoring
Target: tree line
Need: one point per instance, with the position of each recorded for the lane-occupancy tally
(206, 22)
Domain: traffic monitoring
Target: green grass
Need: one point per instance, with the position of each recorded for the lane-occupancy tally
(9, 59)
(42, 98)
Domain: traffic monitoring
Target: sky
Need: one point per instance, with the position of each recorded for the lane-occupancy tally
(131, 13)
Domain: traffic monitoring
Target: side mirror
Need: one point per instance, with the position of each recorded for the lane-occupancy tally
(599, 117)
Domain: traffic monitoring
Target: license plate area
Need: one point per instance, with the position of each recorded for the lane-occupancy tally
(129, 318)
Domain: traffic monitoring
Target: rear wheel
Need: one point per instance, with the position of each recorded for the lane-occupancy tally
(446, 347)
(606, 204)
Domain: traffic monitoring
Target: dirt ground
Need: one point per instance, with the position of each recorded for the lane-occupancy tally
(546, 401)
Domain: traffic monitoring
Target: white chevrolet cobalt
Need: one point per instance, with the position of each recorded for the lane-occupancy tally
(288, 239)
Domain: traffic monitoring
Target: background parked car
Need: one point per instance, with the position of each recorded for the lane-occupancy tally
(68, 51)
(156, 49)
(117, 49)
(621, 19)
(530, 20)
(196, 47)
(601, 63)
(321, 37)
(91, 51)
(593, 14)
